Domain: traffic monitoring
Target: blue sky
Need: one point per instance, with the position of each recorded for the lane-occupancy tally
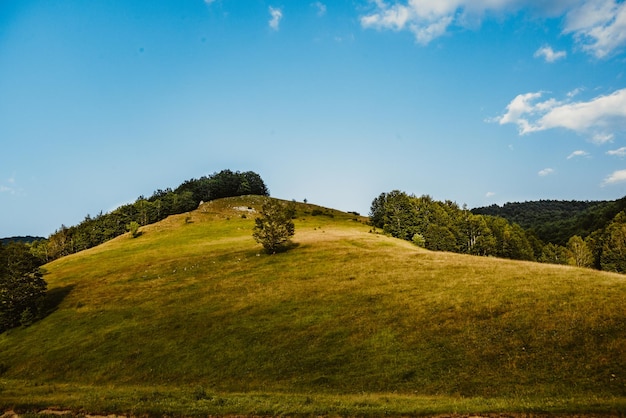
(478, 102)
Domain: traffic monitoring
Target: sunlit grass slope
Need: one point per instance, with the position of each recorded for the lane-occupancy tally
(194, 303)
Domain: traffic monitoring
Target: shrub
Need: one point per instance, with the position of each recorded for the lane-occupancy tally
(133, 228)
(274, 228)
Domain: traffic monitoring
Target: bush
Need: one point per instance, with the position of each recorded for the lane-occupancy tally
(274, 228)
(133, 228)
(418, 239)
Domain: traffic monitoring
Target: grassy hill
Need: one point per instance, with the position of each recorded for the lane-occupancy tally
(191, 318)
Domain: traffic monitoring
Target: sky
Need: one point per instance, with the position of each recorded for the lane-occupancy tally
(475, 101)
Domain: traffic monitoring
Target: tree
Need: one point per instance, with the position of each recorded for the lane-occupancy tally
(613, 257)
(580, 254)
(133, 228)
(22, 287)
(440, 238)
(554, 254)
(274, 228)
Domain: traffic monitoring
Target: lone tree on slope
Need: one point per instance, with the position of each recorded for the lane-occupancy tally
(274, 228)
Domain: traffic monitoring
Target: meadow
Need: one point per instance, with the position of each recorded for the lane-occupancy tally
(191, 318)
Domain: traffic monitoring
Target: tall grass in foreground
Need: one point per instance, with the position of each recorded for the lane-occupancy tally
(191, 318)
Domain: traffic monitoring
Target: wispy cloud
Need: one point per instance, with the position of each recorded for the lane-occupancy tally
(620, 152)
(578, 153)
(9, 186)
(598, 26)
(618, 176)
(547, 53)
(601, 138)
(546, 172)
(490, 194)
(321, 8)
(599, 117)
(276, 15)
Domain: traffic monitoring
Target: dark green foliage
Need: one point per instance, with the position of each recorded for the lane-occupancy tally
(226, 183)
(443, 226)
(511, 241)
(24, 239)
(583, 234)
(396, 213)
(319, 212)
(440, 238)
(93, 231)
(275, 227)
(556, 220)
(22, 287)
(554, 254)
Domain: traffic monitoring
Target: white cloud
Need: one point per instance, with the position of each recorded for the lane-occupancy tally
(598, 26)
(490, 194)
(618, 176)
(577, 154)
(517, 109)
(276, 16)
(321, 8)
(601, 138)
(620, 152)
(599, 117)
(575, 92)
(5, 189)
(210, 1)
(546, 172)
(549, 54)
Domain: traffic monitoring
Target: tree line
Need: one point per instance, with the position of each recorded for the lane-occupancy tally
(444, 226)
(556, 221)
(95, 230)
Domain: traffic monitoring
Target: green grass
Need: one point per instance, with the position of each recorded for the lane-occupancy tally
(191, 318)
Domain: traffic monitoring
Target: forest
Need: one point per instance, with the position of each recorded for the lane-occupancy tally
(584, 234)
(556, 221)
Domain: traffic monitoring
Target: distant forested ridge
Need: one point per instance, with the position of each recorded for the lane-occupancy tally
(95, 230)
(556, 221)
(583, 234)
(24, 239)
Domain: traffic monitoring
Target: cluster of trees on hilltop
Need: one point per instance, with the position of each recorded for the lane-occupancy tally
(445, 226)
(93, 231)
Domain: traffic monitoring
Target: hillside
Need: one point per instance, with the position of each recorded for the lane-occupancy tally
(191, 318)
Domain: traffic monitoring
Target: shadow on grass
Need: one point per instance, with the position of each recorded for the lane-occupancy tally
(288, 246)
(49, 305)
(53, 299)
